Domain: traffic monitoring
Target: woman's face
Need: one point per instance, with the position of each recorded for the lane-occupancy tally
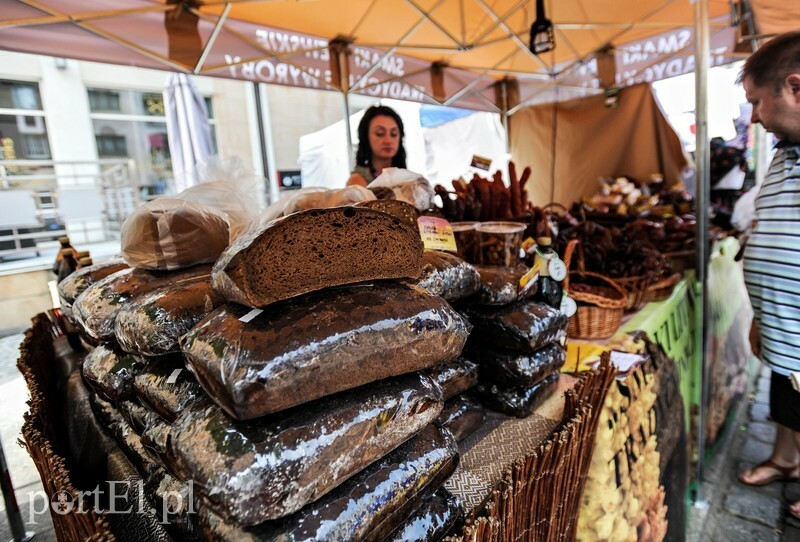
(384, 137)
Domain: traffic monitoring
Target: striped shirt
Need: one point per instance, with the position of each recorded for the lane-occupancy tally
(772, 262)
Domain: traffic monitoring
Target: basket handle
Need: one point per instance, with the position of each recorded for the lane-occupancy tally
(550, 208)
(572, 246)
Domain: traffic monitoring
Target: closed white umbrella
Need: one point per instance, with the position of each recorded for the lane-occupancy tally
(188, 130)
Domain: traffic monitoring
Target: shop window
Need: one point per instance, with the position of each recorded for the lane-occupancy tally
(132, 124)
(19, 95)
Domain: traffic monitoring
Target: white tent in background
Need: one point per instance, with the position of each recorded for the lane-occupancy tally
(440, 152)
(188, 130)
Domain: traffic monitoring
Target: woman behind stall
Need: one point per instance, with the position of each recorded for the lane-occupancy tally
(380, 144)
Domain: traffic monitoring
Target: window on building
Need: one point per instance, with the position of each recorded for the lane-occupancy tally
(132, 124)
(23, 130)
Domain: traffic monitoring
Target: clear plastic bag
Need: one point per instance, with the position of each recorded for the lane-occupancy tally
(316, 198)
(407, 186)
(265, 469)
(172, 233)
(230, 187)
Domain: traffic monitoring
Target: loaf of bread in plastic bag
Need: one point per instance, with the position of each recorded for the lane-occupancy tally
(319, 344)
(75, 284)
(265, 469)
(95, 310)
(500, 285)
(167, 387)
(175, 503)
(462, 415)
(172, 233)
(432, 521)
(448, 276)
(368, 507)
(151, 324)
(455, 376)
(525, 326)
(519, 368)
(110, 372)
(311, 250)
(519, 401)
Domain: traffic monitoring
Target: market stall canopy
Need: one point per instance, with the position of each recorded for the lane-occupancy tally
(467, 53)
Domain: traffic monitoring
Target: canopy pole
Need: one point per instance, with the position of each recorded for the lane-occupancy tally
(350, 157)
(340, 73)
(703, 196)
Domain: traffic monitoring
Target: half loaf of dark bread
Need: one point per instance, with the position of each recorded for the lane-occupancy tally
(400, 209)
(315, 249)
(319, 344)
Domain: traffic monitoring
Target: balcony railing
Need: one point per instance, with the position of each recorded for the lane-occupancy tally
(41, 200)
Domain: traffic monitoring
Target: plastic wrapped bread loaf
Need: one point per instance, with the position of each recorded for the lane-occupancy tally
(136, 415)
(265, 469)
(167, 387)
(155, 438)
(319, 344)
(175, 503)
(448, 276)
(76, 283)
(95, 310)
(454, 377)
(499, 285)
(432, 521)
(368, 507)
(151, 324)
(516, 400)
(110, 372)
(462, 415)
(519, 369)
(311, 250)
(524, 326)
(172, 233)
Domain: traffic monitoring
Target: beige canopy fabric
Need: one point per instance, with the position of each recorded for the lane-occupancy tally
(466, 53)
(633, 139)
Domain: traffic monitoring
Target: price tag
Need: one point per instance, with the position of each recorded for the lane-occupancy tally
(557, 268)
(250, 315)
(436, 233)
(174, 376)
(568, 306)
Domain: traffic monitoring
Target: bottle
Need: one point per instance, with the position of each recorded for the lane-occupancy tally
(84, 262)
(65, 244)
(68, 264)
(79, 255)
(549, 290)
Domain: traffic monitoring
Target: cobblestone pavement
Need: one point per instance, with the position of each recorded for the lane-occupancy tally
(736, 512)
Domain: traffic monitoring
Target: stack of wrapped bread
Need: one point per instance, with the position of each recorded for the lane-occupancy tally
(292, 387)
(305, 382)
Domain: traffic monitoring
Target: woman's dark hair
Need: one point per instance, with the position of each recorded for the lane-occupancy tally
(364, 152)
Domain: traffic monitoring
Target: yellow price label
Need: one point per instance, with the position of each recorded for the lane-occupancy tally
(436, 233)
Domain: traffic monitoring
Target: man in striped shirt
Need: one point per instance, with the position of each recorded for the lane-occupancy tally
(771, 80)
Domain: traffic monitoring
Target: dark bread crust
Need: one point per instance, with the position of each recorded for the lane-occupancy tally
(74, 285)
(400, 209)
(315, 249)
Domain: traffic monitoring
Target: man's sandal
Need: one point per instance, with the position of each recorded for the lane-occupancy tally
(781, 474)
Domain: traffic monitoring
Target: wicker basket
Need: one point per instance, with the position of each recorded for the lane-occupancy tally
(636, 288)
(661, 290)
(601, 301)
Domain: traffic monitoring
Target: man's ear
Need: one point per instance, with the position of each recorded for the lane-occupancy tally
(792, 84)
